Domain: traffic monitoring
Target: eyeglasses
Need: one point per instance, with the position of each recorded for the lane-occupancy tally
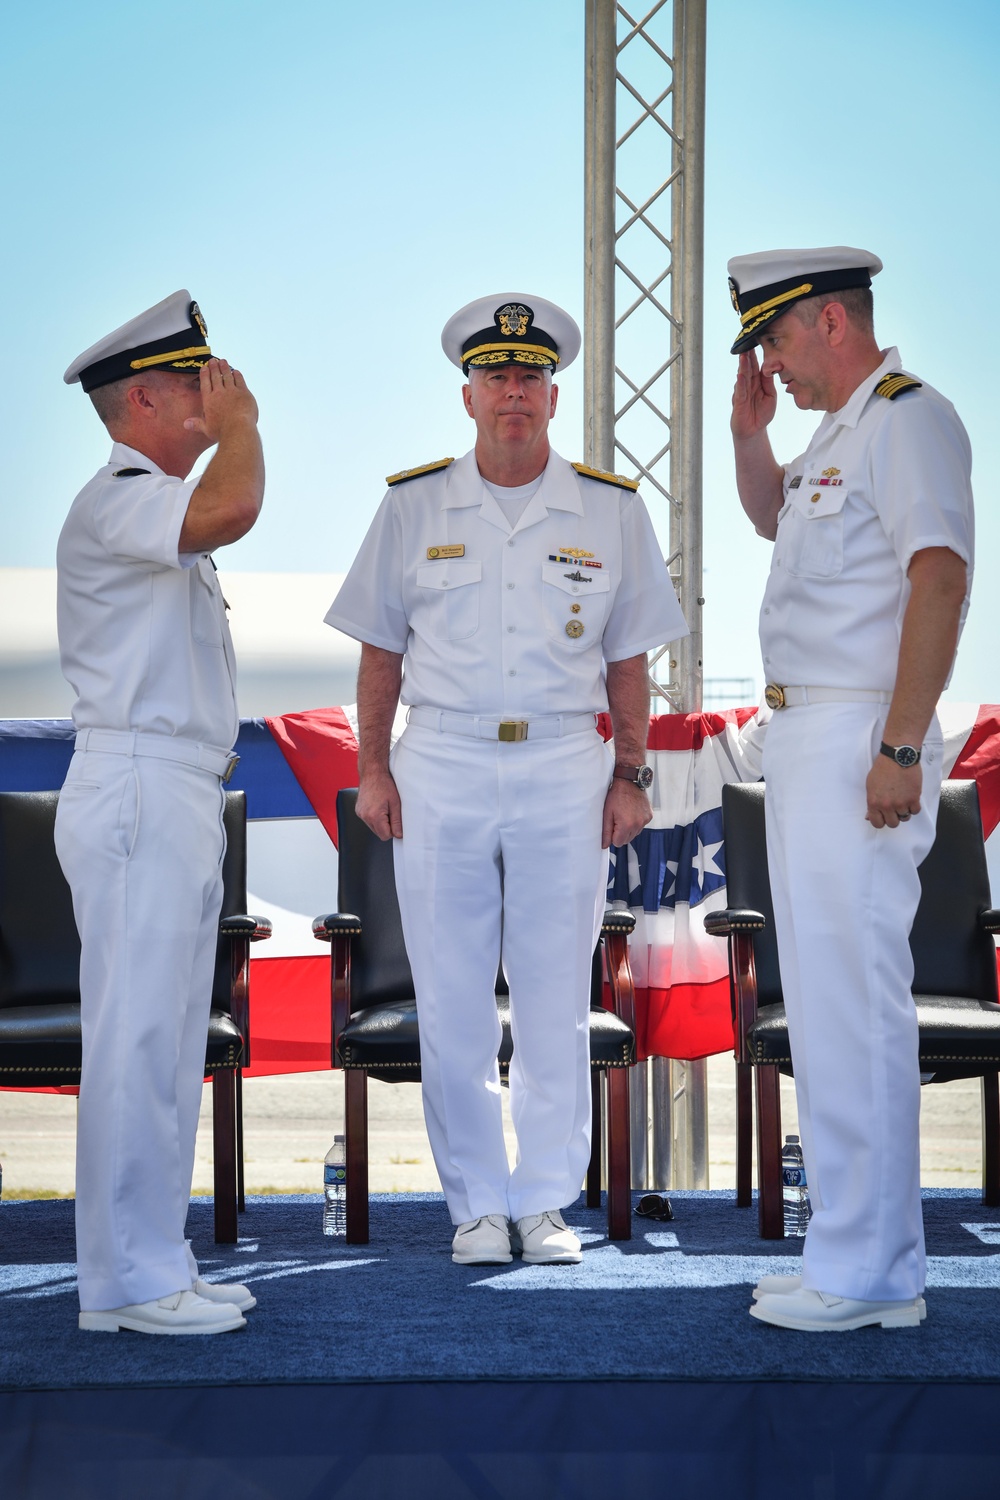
(653, 1206)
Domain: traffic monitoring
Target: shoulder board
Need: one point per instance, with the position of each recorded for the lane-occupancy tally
(618, 479)
(405, 474)
(129, 473)
(895, 383)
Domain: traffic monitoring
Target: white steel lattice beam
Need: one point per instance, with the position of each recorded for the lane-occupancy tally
(644, 192)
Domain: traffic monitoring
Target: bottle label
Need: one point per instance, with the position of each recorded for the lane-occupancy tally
(793, 1177)
(334, 1176)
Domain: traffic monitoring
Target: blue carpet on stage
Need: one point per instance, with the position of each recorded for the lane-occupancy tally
(669, 1304)
(390, 1355)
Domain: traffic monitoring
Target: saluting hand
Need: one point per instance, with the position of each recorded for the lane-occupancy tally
(755, 399)
(224, 399)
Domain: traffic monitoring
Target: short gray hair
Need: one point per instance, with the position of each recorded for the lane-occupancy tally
(110, 400)
(857, 302)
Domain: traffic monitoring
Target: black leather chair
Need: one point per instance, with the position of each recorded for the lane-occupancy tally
(375, 1019)
(40, 977)
(954, 983)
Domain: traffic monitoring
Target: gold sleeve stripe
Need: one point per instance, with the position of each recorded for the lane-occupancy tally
(509, 349)
(605, 478)
(404, 474)
(166, 359)
(754, 313)
(895, 383)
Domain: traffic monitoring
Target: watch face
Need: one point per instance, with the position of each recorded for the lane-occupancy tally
(644, 777)
(906, 756)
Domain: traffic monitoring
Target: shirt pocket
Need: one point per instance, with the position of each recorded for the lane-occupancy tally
(448, 598)
(207, 606)
(811, 531)
(574, 608)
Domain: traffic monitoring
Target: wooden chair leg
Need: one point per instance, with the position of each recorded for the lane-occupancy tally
(356, 1147)
(241, 1201)
(744, 1134)
(991, 1140)
(619, 1156)
(224, 1154)
(769, 1201)
(596, 1138)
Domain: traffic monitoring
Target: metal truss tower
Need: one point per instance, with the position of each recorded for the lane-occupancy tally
(644, 252)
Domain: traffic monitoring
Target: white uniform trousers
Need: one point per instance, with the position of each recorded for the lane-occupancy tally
(141, 843)
(845, 895)
(501, 852)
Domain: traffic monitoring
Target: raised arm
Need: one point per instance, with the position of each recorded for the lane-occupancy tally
(228, 498)
(758, 474)
(379, 678)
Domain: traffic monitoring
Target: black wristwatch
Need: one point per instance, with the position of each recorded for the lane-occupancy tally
(642, 776)
(904, 755)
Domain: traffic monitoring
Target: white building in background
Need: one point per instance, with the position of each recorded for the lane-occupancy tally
(288, 659)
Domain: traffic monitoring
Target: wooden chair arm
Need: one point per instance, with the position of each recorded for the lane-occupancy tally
(615, 929)
(734, 919)
(338, 928)
(255, 928)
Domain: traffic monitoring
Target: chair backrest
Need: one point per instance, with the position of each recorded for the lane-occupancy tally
(39, 943)
(951, 954)
(366, 887)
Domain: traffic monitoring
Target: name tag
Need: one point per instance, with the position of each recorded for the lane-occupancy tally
(456, 549)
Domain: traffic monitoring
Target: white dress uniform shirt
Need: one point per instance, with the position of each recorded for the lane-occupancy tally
(879, 481)
(485, 632)
(143, 634)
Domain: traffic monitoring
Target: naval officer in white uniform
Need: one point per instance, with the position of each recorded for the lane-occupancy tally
(870, 575)
(507, 598)
(145, 645)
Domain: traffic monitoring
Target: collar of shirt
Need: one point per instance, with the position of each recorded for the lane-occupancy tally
(849, 414)
(123, 457)
(558, 490)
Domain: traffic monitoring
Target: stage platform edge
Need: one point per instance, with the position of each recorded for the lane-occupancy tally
(452, 1440)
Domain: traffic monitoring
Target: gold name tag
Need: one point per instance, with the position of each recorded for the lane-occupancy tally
(457, 549)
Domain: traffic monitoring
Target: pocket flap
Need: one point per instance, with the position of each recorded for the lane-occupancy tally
(591, 581)
(449, 573)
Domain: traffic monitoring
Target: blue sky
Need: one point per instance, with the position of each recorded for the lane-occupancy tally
(333, 181)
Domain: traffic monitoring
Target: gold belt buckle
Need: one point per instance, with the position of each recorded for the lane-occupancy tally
(512, 730)
(234, 761)
(774, 696)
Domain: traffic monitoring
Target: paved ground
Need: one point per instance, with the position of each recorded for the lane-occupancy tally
(290, 1123)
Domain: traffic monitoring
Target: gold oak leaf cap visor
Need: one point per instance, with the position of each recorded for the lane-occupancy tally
(511, 329)
(765, 285)
(170, 336)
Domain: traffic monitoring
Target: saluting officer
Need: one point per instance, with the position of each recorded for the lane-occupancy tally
(873, 547)
(145, 645)
(508, 597)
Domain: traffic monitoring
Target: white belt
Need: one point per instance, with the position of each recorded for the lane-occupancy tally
(481, 727)
(795, 697)
(158, 747)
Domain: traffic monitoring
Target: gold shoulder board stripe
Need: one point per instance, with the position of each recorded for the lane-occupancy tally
(895, 383)
(618, 479)
(404, 474)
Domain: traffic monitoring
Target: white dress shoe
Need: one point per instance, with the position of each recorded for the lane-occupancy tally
(544, 1239)
(779, 1286)
(181, 1312)
(220, 1291)
(818, 1312)
(482, 1242)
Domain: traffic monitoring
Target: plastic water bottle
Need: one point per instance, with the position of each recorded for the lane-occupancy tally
(335, 1188)
(795, 1197)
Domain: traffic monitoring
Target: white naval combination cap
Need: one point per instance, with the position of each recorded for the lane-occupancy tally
(170, 336)
(765, 285)
(509, 329)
